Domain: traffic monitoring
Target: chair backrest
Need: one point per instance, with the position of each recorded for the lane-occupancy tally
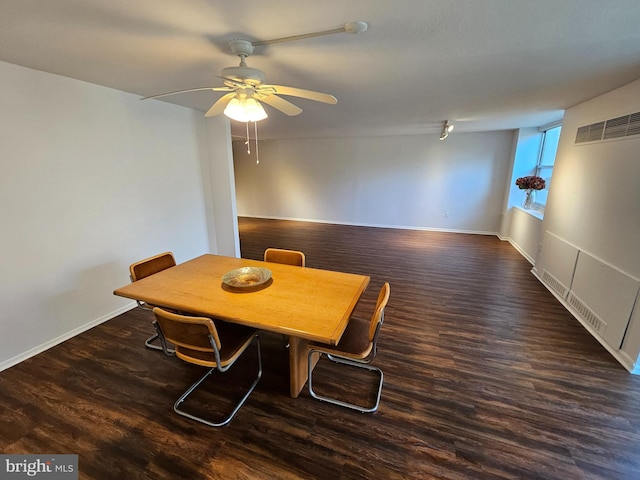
(194, 333)
(151, 265)
(378, 313)
(288, 257)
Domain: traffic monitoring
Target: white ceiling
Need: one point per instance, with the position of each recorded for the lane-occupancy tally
(481, 64)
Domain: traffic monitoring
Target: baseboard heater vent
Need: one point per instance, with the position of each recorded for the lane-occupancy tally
(618, 127)
(554, 283)
(586, 314)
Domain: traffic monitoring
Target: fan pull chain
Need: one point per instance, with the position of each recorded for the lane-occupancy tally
(256, 132)
(247, 141)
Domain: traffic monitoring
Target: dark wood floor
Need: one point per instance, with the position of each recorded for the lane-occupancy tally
(486, 377)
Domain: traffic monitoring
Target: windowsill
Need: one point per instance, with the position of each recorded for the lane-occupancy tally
(539, 214)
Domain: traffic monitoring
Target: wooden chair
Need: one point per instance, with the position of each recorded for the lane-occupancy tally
(200, 341)
(288, 257)
(356, 348)
(143, 269)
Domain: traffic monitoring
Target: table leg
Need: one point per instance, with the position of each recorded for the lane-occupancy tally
(298, 373)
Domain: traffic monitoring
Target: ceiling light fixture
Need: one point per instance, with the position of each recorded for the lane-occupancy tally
(446, 129)
(245, 110)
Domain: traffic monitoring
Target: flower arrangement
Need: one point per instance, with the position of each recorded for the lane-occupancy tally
(532, 182)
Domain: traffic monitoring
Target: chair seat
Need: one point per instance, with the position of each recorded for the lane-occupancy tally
(354, 342)
(236, 339)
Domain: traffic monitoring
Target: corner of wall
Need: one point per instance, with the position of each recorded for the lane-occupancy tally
(221, 186)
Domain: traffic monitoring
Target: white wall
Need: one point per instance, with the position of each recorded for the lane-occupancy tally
(594, 200)
(219, 176)
(525, 232)
(522, 228)
(92, 180)
(414, 181)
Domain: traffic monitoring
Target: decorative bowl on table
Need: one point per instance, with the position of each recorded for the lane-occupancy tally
(247, 277)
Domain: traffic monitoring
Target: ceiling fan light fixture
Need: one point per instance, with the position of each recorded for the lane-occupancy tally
(446, 129)
(245, 86)
(245, 110)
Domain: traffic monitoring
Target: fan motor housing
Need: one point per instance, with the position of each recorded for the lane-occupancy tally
(248, 75)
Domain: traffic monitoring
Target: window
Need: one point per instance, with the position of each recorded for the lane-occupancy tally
(546, 160)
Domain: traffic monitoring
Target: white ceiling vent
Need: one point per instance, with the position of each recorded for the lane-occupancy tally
(618, 127)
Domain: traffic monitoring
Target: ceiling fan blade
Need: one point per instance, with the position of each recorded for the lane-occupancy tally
(218, 107)
(281, 104)
(179, 91)
(299, 92)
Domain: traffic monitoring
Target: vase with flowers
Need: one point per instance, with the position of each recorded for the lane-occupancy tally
(530, 184)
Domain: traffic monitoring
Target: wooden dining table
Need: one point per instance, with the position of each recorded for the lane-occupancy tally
(307, 304)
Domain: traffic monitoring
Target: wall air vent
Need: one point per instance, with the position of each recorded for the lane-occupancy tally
(583, 134)
(634, 124)
(587, 314)
(595, 132)
(618, 127)
(554, 283)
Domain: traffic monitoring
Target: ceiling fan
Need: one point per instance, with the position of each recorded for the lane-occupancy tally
(246, 87)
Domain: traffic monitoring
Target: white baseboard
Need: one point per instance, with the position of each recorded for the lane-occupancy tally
(520, 250)
(629, 363)
(66, 336)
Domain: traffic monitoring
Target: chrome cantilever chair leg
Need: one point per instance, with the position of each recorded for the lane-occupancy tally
(228, 418)
(353, 363)
(164, 346)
